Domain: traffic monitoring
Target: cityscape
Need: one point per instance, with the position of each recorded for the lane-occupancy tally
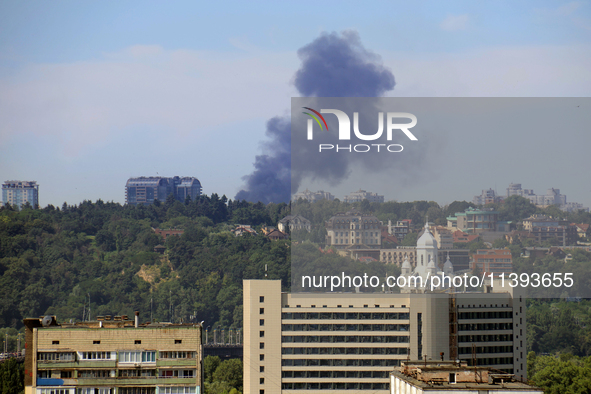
(286, 198)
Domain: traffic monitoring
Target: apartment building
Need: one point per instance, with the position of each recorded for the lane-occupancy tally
(19, 193)
(492, 261)
(474, 220)
(361, 195)
(118, 356)
(344, 341)
(353, 229)
(145, 190)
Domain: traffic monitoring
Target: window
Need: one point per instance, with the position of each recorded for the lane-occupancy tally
(96, 342)
(262, 380)
(138, 341)
(262, 299)
(261, 357)
(262, 334)
(177, 390)
(262, 322)
(65, 374)
(261, 311)
(262, 368)
(55, 342)
(177, 354)
(261, 391)
(55, 356)
(262, 345)
(452, 377)
(137, 357)
(95, 355)
(178, 341)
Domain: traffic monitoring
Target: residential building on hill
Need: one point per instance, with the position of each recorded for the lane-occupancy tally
(486, 197)
(145, 190)
(344, 342)
(313, 196)
(361, 195)
(474, 220)
(495, 261)
(19, 193)
(350, 229)
(118, 356)
(294, 222)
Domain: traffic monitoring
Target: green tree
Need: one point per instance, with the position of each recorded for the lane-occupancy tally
(229, 372)
(210, 364)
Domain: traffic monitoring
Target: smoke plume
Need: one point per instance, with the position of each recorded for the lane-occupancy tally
(333, 65)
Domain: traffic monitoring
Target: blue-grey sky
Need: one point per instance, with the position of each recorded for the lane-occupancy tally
(92, 93)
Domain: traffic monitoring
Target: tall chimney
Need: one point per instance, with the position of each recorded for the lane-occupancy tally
(137, 319)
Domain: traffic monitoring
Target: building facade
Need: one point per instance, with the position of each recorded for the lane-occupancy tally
(353, 228)
(145, 190)
(342, 341)
(492, 261)
(361, 195)
(421, 376)
(474, 220)
(19, 193)
(112, 357)
(294, 222)
(313, 196)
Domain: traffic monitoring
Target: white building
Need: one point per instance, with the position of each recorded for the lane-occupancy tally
(313, 196)
(361, 195)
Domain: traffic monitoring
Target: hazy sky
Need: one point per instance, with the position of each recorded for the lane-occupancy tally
(92, 93)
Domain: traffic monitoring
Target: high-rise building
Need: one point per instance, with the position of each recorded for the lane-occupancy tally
(343, 341)
(361, 195)
(117, 356)
(18, 193)
(145, 190)
(312, 196)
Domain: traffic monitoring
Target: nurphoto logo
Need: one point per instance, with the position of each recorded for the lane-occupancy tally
(344, 131)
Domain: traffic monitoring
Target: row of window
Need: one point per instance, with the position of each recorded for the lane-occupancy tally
(344, 327)
(335, 386)
(340, 363)
(123, 373)
(491, 361)
(344, 339)
(485, 315)
(485, 338)
(335, 374)
(345, 316)
(133, 390)
(343, 350)
(124, 356)
(486, 349)
(485, 326)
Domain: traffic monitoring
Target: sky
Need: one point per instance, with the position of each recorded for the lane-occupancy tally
(92, 93)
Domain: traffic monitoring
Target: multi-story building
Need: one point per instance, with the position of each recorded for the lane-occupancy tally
(145, 190)
(361, 195)
(474, 220)
(400, 229)
(313, 196)
(495, 261)
(19, 193)
(117, 356)
(552, 197)
(486, 197)
(544, 228)
(294, 222)
(451, 377)
(343, 341)
(353, 228)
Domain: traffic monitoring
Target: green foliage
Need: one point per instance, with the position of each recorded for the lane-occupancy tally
(230, 372)
(410, 239)
(12, 377)
(210, 364)
(566, 374)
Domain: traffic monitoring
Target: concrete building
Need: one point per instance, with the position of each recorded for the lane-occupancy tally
(18, 193)
(313, 196)
(418, 377)
(353, 230)
(294, 222)
(545, 228)
(145, 190)
(107, 356)
(361, 195)
(343, 341)
(486, 197)
(495, 261)
(474, 220)
(552, 197)
(400, 229)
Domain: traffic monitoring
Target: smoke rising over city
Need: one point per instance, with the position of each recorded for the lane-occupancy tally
(333, 65)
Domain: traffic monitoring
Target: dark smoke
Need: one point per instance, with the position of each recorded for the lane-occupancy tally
(333, 65)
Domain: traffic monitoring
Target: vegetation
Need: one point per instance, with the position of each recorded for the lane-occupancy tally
(12, 377)
(565, 374)
(222, 377)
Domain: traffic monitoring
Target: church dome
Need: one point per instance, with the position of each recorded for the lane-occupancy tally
(426, 240)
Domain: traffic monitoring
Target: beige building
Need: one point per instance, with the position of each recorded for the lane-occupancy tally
(344, 341)
(117, 356)
(353, 228)
(449, 377)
